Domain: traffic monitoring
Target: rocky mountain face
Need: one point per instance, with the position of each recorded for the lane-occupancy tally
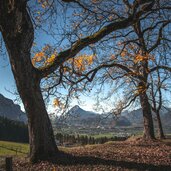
(78, 116)
(136, 117)
(166, 119)
(79, 113)
(11, 110)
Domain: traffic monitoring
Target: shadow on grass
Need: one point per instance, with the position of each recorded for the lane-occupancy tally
(70, 160)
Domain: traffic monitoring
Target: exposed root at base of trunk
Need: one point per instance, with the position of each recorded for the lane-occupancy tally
(44, 157)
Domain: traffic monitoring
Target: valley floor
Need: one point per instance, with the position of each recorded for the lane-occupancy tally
(128, 155)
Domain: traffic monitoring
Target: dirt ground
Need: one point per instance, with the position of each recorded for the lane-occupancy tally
(128, 155)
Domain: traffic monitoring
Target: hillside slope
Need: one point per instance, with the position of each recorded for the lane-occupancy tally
(11, 110)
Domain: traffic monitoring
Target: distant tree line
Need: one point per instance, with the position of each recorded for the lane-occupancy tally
(11, 130)
(84, 139)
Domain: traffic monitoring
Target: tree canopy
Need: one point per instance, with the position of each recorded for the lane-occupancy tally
(118, 38)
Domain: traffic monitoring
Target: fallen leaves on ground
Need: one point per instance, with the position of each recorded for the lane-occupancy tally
(127, 155)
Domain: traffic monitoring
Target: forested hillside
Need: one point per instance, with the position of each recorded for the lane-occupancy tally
(11, 130)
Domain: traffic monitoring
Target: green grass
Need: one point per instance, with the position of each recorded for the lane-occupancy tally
(108, 135)
(9, 148)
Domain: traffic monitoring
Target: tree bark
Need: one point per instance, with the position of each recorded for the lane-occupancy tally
(160, 128)
(18, 34)
(41, 137)
(147, 116)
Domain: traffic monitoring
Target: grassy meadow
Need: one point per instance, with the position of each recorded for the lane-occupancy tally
(12, 148)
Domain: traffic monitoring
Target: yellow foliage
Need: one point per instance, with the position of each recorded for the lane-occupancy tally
(110, 18)
(46, 48)
(38, 57)
(82, 61)
(40, 54)
(123, 54)
(51, 59)
(44, 3)
(56, 102)
(140, 58)
(43, 58)
(65, 69)
(43, 6)
(140, 90)
(112, 56)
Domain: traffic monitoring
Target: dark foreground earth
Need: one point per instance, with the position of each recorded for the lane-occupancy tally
(128, 155)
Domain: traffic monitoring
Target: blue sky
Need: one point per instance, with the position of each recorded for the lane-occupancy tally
(7, 83)
(7, 79)
(7, 86)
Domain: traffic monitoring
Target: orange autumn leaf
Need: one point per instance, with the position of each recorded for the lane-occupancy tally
(56, 102)
(38, 57)
(140, 58)
(82, 61)
(50, 59)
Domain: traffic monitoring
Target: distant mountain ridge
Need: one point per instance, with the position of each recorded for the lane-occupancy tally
(78, 112)
(136, 116)
(77, 115)
(11, 110)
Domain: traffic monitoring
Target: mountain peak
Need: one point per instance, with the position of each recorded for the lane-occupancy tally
(76, 107)
(1, 95)
(77, 111)
(11, 110)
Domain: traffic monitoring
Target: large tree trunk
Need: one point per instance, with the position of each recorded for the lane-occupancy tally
(147, 116)
(41, 138)
(18, 35)
(160, 128)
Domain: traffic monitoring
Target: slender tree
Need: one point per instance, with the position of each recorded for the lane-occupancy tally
(159, 80)
(133, 58)
(157, 107)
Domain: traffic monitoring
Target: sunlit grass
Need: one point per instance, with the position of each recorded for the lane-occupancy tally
(13, 148)
(108, 135)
